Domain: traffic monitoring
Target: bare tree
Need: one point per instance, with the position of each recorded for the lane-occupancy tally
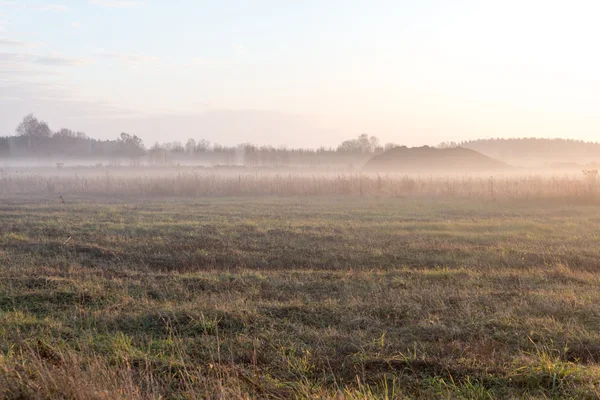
(190, 146)
(31, 126)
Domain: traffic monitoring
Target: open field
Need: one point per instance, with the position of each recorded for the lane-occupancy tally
(119, 295)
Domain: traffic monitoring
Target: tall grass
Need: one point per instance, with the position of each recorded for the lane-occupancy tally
(251, 184)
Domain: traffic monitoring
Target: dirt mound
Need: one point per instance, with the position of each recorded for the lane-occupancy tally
(420, 159)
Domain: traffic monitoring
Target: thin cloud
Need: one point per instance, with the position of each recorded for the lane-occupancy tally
(53, 60)
(62, 102)
(12, 71)
(8, 42)
(37, 90)
(41, 59)
(203, 62)
(53, 7)
(116, 3)
(16, 43)
(35, 7)
(133, 60)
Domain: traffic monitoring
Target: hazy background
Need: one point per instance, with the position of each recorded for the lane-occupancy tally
(306, 73)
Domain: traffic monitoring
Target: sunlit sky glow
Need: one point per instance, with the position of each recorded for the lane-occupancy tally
(303, 73)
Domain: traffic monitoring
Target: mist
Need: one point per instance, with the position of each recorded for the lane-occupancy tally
(299, 200)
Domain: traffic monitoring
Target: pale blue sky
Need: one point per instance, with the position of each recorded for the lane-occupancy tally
(303, 73)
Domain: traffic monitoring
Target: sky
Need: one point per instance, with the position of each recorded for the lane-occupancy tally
(303, 73)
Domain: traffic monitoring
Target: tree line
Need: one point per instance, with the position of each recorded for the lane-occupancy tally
(34, 138)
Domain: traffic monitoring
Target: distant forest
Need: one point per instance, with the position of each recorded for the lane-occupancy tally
(34, 139)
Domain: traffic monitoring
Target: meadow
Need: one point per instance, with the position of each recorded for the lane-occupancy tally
(352, 287)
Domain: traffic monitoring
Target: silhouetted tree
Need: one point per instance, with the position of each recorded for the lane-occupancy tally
(190, 146)
(130, 145)
(32, 127)
(202, 146)
(363, 144)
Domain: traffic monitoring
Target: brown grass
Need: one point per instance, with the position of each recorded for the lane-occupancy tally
(533, 187)
(341, 297)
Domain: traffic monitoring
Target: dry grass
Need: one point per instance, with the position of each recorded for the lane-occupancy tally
(305, 297)
(530, 187)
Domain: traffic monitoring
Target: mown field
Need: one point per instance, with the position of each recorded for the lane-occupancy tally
(108, 296)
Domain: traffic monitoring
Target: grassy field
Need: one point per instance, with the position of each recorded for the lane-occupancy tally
(298, 297)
